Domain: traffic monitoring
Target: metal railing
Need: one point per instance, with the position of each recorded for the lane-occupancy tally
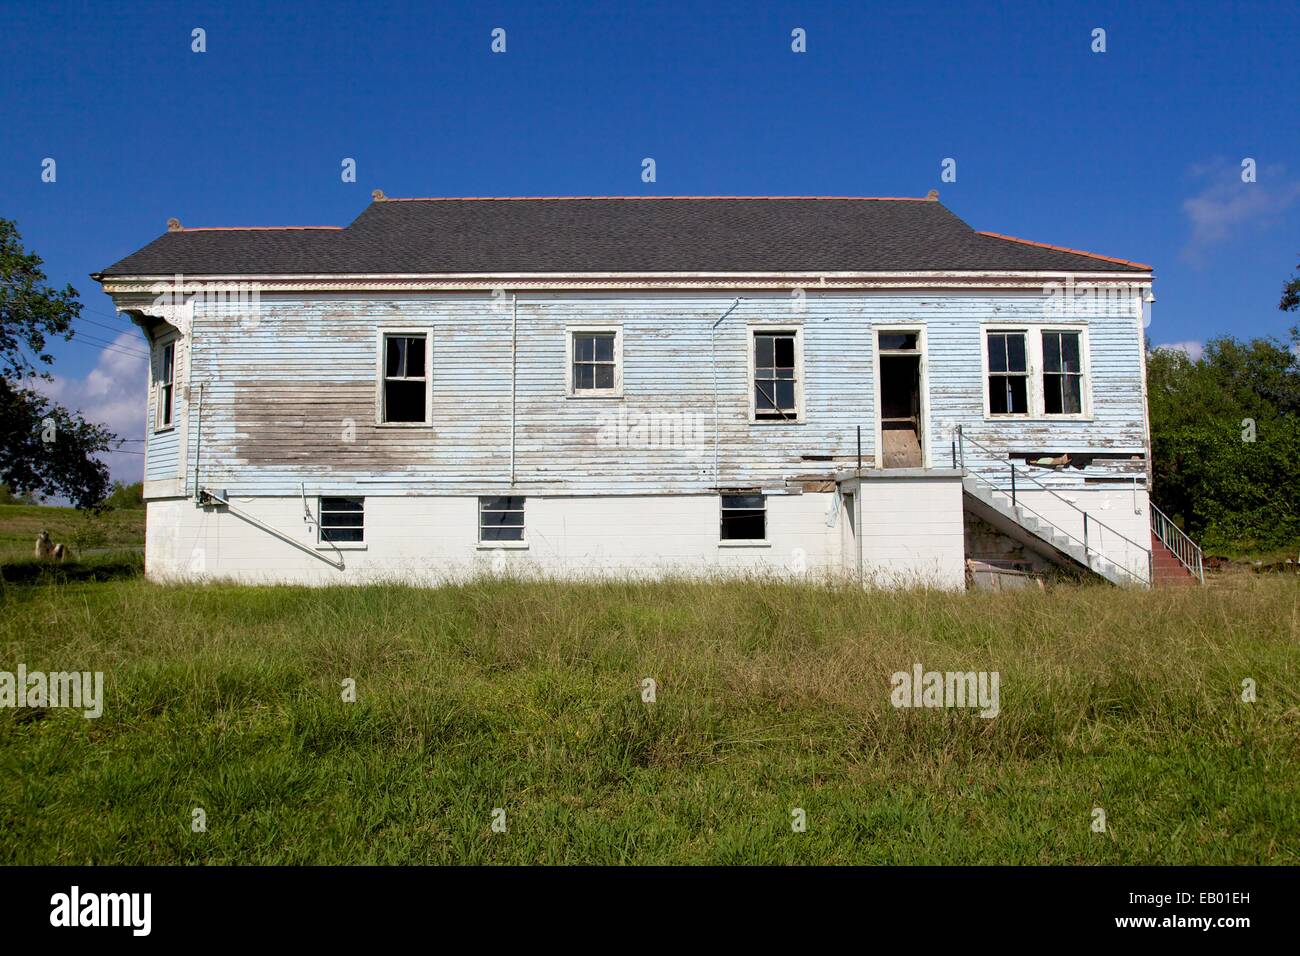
(1187, 551)
(959, 459)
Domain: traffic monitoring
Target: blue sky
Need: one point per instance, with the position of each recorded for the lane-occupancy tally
(1133, 153)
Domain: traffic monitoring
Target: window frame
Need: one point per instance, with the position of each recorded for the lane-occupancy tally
(1082, 373)
(382, 335)
(519, 543)
(1035, 367)
(322, 543)
(1028, 332)
(163, 345)
(570, 389)
(764, 541)
(752, 331)
(922, 351)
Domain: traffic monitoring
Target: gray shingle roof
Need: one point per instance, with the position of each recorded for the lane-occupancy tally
(583, 235)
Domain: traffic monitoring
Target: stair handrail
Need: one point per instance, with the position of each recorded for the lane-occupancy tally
(962, 439)
(1179, 544)
(1087, 549)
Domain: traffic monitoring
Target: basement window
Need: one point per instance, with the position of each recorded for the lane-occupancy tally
(1062, 374)
(342, 520)
(166, 397)
(744, 518)
(776, 392)
(500, 518)
(405, 380)
(1008, 374)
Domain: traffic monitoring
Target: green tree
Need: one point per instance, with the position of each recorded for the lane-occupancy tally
(45, 449)
(1225, 433)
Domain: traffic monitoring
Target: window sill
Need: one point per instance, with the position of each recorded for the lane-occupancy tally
(403, 424)
(342, 546)
(1040, 418)
(739, 543)
(164, 429)
(581, 395)
(503, 546)
(778, 421)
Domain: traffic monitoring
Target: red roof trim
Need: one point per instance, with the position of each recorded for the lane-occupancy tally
(1077, 252)
(251, 228)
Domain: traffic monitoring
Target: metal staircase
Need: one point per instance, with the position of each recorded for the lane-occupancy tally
(1008, 513)
(1175, 556)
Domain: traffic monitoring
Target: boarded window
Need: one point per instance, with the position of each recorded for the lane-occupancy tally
(342, 519)
(774, 376)
(501, 518)
(166, 387)
(405, 378)
(1062, 374)
(744, 518)
(594, 361)
(1008, 374)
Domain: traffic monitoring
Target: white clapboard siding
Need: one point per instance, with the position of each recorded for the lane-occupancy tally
(281, 390)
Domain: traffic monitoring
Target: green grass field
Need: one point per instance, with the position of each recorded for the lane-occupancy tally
(526, 696)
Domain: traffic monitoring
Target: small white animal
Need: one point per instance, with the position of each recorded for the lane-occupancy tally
(44, 547)
(60, 552)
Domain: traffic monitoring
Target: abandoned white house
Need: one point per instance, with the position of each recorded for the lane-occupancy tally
(576, 386)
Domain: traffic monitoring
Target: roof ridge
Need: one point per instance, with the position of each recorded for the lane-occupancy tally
(1077, 252)
(626, 198)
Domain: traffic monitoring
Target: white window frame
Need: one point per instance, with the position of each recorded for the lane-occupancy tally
(763, 542)
(381, 338)
(923, 350)
(321, 543)
(786, 328)
(163, 344)
(521, 544)
(570, 390)
(1034, 365)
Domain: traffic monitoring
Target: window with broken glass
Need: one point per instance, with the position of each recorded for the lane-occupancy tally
(500, 518)
(775, 395)
(744, 518)
(405, 379)
(1008, 374)
(1062, 374)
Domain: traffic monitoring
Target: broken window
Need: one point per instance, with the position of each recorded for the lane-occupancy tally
(744, 518)
(501, 518)
(774, 376)
(166, 388)
(1008, 374)
(594, 362)
(342, 519)
(405, 379)
(1062, 374)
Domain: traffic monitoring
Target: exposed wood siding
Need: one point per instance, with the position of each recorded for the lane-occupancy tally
(281, 391)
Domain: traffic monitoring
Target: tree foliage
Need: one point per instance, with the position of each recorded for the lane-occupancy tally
(1225, 432)
(45, 449)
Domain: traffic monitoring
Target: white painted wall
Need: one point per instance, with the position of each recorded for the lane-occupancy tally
(1113, 515)
(428, 539)
(912, 532)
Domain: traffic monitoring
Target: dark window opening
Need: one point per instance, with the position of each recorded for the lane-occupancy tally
(166, 388)
(501, 518)
(774, 376)
(744, 518)
(405, 379)
(898, 341)
(1062, 374)
(342, 519)
(593, 361)
(1008, 374)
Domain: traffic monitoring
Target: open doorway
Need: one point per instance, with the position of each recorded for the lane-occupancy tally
(899, 400)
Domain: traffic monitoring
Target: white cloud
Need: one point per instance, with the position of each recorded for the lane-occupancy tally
(112, 394)
(1225, 205)
(1193, 350)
